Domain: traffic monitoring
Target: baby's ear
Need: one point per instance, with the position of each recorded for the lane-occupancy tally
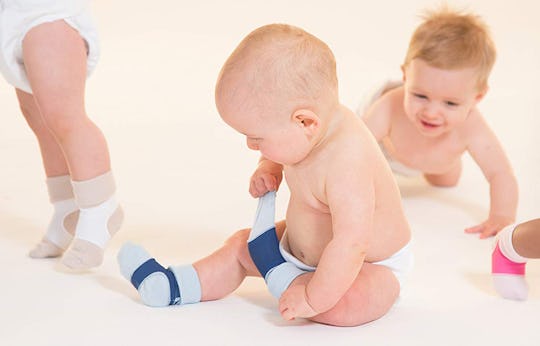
(403, 75)
(307, 120)
(481, 94)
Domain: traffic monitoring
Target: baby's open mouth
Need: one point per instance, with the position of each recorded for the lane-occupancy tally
(428, 124)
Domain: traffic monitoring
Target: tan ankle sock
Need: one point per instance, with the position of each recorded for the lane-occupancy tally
(62, 225)
(100, 218)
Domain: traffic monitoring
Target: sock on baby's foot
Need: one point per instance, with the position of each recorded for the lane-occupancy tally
(100, 217)
(263, 246)
(156, 285)
(62, 225)
(508, 267)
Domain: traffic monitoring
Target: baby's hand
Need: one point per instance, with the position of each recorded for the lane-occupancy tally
(267, 177)
(293, 303)
(490, 227)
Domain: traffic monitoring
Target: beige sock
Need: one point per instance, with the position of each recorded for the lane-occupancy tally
(62, 225)
(100, 218)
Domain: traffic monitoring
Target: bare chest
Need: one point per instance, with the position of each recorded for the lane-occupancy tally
(429, 155)
(308, 220)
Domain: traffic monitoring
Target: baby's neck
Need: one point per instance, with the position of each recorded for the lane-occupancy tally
(330, 124)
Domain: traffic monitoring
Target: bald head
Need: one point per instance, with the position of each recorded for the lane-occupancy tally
(280, 66)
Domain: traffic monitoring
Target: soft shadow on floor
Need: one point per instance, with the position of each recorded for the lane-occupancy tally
(416, 188)
(118, 285)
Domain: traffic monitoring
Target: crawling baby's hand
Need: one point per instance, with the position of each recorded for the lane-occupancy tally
(490, 227)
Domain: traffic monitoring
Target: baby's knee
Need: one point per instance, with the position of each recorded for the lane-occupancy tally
(238, 239)
(448, 179)
(443, 180)
(237, 243)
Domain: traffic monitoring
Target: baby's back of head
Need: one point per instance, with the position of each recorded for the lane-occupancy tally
(285, 63)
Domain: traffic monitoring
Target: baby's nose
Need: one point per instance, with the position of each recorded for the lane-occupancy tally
(431, 111)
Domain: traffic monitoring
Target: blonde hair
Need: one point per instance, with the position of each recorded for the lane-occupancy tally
(287, 64)
(449, 39)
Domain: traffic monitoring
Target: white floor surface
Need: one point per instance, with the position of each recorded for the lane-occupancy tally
(182, 178)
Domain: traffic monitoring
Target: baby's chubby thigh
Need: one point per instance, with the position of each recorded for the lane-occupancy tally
(370, 297)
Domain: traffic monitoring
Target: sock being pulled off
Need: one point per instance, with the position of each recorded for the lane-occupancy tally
(62, 224)
(263, 246)
(100, 217)
(508, 267)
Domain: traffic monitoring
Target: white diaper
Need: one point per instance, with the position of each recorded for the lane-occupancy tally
(17, 17)
(400, 263)
(374, 94)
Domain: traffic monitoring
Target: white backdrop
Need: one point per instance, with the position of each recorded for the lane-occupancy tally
(183, 174)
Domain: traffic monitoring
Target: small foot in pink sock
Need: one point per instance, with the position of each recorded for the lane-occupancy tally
(508, 276)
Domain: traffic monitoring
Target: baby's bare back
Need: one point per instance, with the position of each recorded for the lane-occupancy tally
(309, 215)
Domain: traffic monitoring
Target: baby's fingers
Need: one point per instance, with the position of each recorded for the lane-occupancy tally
(476, 229)
(287, 314)
(253, 189)
(490, 231)
(257, 187)
(270, 182)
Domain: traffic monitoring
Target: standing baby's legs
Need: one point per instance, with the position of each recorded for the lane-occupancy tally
(62, 225)
(513, 246)
(55, 61)
(370, 297)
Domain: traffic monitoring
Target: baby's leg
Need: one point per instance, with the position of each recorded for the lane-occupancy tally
(447, 179)
(62, 225)
(210, 278)
(513, 246)
(526, 239)
(55, 61)
(370, 297)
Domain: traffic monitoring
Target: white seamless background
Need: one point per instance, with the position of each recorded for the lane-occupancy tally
(182, 177)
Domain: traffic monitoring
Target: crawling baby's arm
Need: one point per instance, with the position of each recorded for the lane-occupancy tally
(488, 153)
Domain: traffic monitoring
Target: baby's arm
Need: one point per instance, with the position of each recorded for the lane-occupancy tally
(488, 153)
(266, 177)
(350, 196)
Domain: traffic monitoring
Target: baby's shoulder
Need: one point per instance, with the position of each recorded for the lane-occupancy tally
(474, 124)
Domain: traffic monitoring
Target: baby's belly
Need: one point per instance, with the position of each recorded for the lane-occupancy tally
(308, 233)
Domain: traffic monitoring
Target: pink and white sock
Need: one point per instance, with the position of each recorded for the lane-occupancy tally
(508, 267)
